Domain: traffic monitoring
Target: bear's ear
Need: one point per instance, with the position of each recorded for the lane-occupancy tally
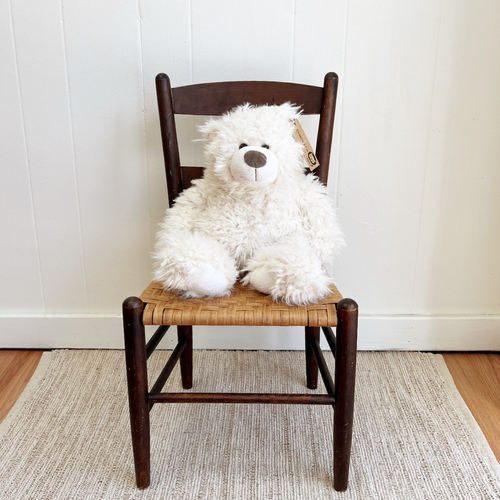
(209, 129)
(290, 111)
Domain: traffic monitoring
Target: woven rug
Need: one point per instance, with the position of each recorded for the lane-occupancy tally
(68, 435)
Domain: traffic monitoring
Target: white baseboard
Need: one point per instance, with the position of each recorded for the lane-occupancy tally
(413, 333)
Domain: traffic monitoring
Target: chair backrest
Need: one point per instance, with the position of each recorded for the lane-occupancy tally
(214, 99)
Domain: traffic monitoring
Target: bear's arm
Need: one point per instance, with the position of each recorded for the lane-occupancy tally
(319, 219)
(182, 215)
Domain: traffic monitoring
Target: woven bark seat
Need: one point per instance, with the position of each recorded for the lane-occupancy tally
(242, 307)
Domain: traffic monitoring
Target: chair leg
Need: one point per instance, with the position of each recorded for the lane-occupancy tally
(345, 371)
(311, 363)
(137, 380)
(186, 359)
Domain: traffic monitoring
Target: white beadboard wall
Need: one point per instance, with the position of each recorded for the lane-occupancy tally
(415, 163)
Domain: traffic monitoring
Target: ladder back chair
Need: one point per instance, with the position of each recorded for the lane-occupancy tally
(244, 307)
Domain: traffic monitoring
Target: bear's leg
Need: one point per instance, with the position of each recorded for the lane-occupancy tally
(290, 273)
(194, 265)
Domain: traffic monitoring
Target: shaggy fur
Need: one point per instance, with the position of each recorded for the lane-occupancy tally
(273, 222)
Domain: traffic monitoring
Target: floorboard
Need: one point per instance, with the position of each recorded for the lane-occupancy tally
(16, 369)
(477, 377)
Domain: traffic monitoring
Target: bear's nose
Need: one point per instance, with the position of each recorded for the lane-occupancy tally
(255, 159)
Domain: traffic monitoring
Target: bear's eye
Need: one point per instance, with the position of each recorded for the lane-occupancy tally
(265, 146)
(243, 145)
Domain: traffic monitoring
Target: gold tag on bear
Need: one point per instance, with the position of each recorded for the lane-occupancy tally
(300, 136)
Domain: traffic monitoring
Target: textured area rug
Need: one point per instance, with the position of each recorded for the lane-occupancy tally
(68, 435)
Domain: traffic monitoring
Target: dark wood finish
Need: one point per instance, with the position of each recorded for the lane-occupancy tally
(233, 398)
(156, 339)
(213, 99)
(169, 137)
(325, 131)
(323, 368)
(137, 381)
(167, 369)
(312, 332)
(345, 372)
(189, 174)
(185, 334)
(330, 338)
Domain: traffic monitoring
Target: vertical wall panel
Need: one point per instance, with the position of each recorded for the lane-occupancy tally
(390, 61)
(319, 36)
(166, 48)
(41, 62)
(105, 76)
(318, 42)
(232, 41)
(458, 268)
(20, 288)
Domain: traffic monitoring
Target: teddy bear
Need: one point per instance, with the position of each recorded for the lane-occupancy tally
(254, 215)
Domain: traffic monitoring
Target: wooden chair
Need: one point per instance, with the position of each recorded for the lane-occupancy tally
(244, 307)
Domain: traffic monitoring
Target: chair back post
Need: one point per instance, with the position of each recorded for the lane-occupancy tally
(325, 131)
(169, 137)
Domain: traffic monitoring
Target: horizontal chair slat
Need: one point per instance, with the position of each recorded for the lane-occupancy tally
(189, 174)
(218, 98)
(210, 397)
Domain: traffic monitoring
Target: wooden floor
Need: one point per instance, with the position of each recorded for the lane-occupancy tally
(477, 377)
(16, 369)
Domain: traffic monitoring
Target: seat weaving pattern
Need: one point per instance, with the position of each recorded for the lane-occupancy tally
(242, 307)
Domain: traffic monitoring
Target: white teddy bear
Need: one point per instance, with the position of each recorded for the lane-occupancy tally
(253, 212)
